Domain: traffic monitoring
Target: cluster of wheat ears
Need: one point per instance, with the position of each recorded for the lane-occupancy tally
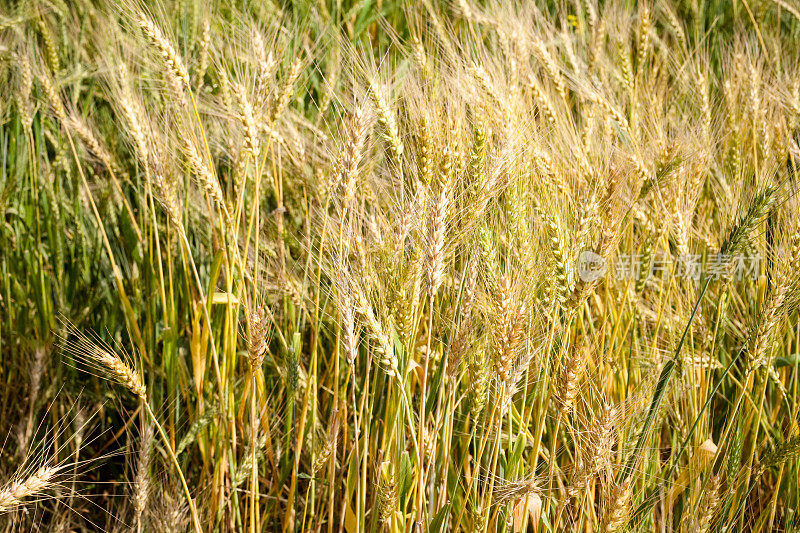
(399, 266)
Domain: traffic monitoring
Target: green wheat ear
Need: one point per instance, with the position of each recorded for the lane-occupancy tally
(737, 235)
(783, 452)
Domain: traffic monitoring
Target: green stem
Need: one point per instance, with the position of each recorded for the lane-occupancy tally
(174, 459)
(658, 397)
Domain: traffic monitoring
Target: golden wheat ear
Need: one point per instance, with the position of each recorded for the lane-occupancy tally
(177, 75)
(27, 487)
(42, 475)
(142, 486)
(92, 353)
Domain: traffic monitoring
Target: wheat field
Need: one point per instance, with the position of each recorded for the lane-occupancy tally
(436, 265)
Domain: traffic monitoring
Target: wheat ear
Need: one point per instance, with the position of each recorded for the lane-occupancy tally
(141, 482)
(435, 249)
(247, 118)
(206, 177)
(14, 493)
(355, 151)
(387, 121)
(177, 75)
